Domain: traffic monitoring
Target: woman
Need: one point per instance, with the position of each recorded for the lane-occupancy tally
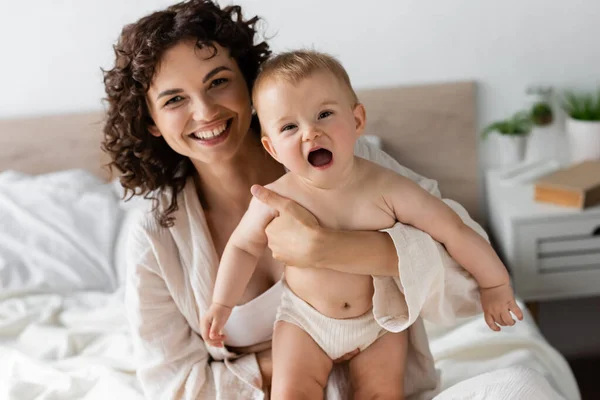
(180, 129)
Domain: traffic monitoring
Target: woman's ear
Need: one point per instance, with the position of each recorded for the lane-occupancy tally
(268, 145)
(153, 129)
(360, 118)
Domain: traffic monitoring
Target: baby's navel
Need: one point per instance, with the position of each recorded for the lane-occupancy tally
(346, 306)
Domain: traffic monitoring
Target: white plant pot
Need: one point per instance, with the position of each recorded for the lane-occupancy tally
(542, 143)
(511, 148)
(584, 140)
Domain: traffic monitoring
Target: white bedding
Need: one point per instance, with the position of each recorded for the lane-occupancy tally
(57, 233)
(70, 340)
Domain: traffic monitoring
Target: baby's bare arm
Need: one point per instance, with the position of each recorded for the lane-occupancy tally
(240, 257)
(414, 206)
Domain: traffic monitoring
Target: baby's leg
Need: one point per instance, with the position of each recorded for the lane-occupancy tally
(300, 367)
(378, 371)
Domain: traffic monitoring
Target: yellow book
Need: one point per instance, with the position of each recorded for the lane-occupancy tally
(576, 186)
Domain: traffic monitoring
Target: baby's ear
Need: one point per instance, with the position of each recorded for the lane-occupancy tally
(360, 118)
(268, 145)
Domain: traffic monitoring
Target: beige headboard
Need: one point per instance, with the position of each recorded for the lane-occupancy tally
(52, 143)
(429, 128)
(432, 130)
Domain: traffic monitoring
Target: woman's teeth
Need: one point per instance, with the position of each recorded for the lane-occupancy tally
(211, 133)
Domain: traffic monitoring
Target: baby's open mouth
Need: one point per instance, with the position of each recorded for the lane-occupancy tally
(320, 157)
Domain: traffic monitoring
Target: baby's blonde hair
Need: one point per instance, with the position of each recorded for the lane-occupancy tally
(294, 66)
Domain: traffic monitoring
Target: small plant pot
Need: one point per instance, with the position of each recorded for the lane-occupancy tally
(584, 140)
(511, 148)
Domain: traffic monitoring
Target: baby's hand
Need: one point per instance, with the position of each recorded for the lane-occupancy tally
(497, 302)
(212, 323)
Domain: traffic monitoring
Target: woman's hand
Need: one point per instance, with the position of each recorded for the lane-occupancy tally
(293, 235)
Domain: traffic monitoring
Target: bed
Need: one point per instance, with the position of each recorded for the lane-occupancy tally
(63, 333)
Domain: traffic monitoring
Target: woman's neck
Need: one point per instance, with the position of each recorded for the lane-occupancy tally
(227, 185)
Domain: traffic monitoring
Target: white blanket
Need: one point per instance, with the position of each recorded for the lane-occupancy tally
(77, 347)
(57, 233)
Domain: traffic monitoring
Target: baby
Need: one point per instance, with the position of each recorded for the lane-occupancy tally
(310, 119)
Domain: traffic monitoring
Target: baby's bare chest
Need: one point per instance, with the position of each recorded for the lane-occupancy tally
(356, 211)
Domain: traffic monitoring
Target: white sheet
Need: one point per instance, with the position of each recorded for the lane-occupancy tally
(471, 348)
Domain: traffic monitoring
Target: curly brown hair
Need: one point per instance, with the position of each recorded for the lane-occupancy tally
(147, 164)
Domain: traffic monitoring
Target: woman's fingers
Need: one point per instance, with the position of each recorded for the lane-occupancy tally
(270, 198)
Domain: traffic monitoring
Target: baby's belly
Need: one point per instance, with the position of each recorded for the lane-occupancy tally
(332, 293)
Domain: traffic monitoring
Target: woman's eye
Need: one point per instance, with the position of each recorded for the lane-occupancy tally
(288, 127)
(325, 114)
(218, 82)
(173, 100)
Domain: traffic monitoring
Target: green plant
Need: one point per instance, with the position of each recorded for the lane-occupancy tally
(541, 114)
(582, 106)
(519, 124)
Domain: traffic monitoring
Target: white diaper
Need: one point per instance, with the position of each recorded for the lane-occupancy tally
(336, 337)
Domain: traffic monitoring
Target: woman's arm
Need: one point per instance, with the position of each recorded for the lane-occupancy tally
(357, 252)
(172, 359)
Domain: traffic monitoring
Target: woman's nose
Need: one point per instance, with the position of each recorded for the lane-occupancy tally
(204, 109)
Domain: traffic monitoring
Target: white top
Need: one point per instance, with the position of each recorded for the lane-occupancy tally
(252, 322)
(170, 280)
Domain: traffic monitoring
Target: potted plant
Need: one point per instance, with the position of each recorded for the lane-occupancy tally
(541, 110)
(511, 136)
(541, 114)
(541, 143)
(583, 125)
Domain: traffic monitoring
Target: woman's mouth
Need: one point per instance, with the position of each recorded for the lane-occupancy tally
(320, 158)
(214, 135)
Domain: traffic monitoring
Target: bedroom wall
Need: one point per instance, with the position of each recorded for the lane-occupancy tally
(52, 53)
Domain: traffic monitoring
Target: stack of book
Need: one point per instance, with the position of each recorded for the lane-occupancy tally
(576, 186)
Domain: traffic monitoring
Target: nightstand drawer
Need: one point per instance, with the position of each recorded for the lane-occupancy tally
(557, 257)
(568, 244)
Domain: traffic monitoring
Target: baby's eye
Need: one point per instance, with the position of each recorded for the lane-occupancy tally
(173, 100)
(288, 127)
(218, 82)
(325, 114)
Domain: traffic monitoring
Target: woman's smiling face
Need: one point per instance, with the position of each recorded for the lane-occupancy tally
(199, 102)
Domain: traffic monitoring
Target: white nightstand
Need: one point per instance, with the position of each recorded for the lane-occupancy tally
(552, 252)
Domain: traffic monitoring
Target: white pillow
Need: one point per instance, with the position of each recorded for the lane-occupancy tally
(57, 232)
